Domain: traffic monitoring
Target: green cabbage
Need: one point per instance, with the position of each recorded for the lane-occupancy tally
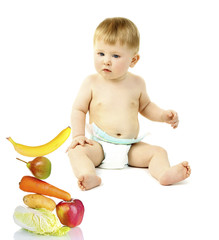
(40, 221)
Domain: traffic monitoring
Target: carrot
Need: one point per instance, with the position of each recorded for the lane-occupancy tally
(32, 184)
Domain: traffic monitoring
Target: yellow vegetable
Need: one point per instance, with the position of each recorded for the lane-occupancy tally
(39, 201)
(37, 151)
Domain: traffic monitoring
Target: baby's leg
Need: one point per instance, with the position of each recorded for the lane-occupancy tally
(156, 159)
(83, 160)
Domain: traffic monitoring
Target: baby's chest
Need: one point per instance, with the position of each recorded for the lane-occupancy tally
(116, 97)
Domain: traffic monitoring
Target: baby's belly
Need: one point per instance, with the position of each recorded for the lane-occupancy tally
(124, 127)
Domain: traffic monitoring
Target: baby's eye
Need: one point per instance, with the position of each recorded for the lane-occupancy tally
(116, 56)
(101, 54)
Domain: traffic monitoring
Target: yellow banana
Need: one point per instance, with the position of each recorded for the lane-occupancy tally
(37, 151)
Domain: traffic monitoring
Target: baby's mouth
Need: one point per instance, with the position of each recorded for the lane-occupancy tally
(106, 70)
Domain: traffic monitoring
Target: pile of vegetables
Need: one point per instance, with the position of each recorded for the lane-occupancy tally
(37, 217)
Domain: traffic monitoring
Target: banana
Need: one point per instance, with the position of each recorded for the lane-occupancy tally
(37, 151)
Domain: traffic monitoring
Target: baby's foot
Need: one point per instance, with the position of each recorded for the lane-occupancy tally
(88, 181)
(176, 174)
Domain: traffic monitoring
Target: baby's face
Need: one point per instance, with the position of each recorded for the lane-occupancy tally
(112, 61)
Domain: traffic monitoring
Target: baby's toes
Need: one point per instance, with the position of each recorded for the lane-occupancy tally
(185, 164)
(189, 171)
(81, 186)
(187, 167)
(80, 183)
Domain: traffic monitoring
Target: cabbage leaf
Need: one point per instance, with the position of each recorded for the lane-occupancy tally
(40, 221)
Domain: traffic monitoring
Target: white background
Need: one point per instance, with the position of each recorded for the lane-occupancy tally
(46, 52)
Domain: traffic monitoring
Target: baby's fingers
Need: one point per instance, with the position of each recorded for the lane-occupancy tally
(81, 142)
(170, 115)
(85, 141)
(88, 141)
(69, 148)
(72, 146)
(175, 124)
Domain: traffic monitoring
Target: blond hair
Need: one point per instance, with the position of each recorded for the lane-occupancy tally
(119, 29)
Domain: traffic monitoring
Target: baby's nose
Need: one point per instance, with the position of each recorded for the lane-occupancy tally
(107, 61)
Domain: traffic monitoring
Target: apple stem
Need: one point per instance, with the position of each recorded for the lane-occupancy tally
(21, 160)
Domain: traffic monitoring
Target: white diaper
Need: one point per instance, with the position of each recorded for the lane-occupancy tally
(115, 149)
(116, 155)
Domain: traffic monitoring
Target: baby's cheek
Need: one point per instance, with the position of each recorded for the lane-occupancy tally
(121, 68)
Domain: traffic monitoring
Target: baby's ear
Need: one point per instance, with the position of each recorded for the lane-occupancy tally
(134, 60)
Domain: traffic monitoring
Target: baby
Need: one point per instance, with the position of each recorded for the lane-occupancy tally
(114, 97)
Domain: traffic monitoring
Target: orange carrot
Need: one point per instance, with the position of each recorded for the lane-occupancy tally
(32, 184)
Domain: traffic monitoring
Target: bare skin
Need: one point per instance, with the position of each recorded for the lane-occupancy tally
(113, 98)
(156, 160)
(148, 156)
(175, 174)
(84, 157)
(86, 182)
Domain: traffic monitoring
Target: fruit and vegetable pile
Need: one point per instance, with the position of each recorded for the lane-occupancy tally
(37, 216)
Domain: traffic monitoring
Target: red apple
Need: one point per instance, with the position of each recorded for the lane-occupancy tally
(70, 213)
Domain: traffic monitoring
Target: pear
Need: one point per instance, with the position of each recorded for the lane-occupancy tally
(39, 166)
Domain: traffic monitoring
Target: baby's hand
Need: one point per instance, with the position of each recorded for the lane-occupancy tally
(79, 140)
(171, 117)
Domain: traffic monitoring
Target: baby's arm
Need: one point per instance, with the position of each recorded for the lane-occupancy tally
(78, 115)
(151, 111)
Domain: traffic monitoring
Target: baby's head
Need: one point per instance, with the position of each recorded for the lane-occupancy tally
(118, 29)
